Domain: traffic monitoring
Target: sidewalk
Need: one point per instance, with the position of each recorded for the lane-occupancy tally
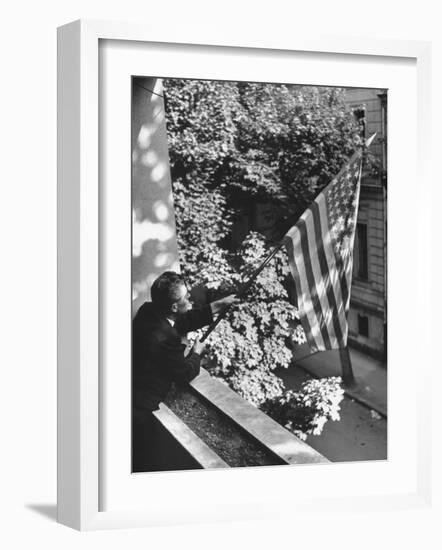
(370, 374)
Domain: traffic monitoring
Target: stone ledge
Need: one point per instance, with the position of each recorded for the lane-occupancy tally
(279, 441)
(175, 438)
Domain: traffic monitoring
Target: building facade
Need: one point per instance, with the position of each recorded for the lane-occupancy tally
(368, 306)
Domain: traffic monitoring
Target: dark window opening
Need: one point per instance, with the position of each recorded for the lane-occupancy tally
(363, 325)
(361, 252)
(383, 98)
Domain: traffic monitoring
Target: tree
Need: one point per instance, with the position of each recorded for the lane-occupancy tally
(293, 140)
(251, 343)
(201, 129)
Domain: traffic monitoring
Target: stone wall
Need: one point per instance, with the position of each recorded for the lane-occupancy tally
(154, 247)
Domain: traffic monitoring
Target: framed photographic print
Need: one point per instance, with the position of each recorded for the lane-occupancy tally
(224, 169)
(223, 174)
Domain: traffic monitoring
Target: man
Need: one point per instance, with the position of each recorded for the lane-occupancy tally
(158, 357)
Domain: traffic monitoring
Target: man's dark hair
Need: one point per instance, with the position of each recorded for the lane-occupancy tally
(166, 290)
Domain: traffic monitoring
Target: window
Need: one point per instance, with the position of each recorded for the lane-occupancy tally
(361, 252)
(383, 99)
(363, 325)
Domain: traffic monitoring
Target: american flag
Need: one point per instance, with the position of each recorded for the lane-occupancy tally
(320, 250)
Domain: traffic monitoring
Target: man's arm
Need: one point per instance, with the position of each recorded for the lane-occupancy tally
(194, 319)
(200, 317)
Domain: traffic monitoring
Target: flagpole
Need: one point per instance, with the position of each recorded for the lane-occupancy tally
(348, 378)
(346, 368)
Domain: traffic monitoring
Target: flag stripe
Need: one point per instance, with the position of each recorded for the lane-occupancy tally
(332, 268)
(327, 274)
(342, 279)
(321, 279)
(301, 308)
(311, 282)
(349, 266)
(303, 290)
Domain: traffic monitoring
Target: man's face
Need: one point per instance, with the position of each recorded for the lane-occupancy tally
(184, 303)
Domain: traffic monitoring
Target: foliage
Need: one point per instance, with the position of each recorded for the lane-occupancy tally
(251, 342)
(305, 412)
(200, 129)
(202, 221)
(293, 141)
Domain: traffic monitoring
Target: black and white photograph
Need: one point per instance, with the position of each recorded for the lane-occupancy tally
(259, 274)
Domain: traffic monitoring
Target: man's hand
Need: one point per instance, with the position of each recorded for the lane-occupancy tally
(198, 346)
(219, 305)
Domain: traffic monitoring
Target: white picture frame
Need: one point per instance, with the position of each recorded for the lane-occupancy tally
(80, 472)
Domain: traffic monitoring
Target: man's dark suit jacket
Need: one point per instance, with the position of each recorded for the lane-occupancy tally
(158, 353)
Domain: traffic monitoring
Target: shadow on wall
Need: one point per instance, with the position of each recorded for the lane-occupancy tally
(154, 246)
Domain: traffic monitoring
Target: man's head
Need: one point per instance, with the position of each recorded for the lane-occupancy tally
(169, 294)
